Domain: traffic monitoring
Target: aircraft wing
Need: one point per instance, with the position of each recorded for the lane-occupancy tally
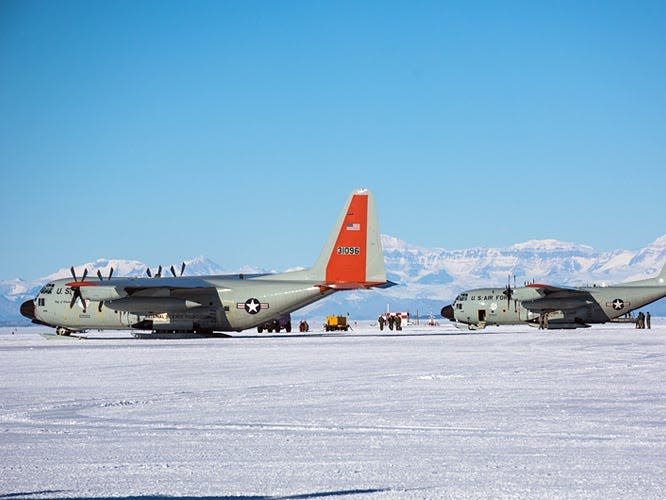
(557, 298)
(551, 291)
(124, 288)
(136, 285)
(114, 288)
(181, 282)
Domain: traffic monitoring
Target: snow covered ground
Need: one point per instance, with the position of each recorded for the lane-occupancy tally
(428, 413)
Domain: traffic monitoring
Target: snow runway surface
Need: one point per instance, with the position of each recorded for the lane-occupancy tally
(427, 413)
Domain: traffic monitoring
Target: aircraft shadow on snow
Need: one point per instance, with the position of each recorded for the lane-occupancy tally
(375, 335)
(303, 496)
(322, 336)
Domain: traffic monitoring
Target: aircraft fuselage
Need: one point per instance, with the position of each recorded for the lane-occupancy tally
(490, 306)
(351, 259)
(228, 305)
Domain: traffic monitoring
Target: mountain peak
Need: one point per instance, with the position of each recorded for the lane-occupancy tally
(391, 243)
(551, 245)
(659, 242)
(198, 260)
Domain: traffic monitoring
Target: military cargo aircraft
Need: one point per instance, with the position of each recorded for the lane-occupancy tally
(351, 259)
(553, 307)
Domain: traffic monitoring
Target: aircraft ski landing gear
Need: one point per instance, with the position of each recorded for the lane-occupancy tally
(60, 330)
(179, 334)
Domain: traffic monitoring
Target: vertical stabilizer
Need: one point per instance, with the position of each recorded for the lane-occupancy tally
(352, 256)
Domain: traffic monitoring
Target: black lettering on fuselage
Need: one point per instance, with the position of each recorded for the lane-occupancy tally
(485, 298)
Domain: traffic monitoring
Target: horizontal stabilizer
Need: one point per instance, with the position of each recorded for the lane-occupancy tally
(349, 285)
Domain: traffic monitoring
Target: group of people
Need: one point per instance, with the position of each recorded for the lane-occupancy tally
(643, 320)
(390, 320)
(303, 326)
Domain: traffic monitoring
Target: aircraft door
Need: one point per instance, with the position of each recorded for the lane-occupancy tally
(482, 315)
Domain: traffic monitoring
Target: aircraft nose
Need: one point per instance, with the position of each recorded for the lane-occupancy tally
(28, 309)
(447, 312)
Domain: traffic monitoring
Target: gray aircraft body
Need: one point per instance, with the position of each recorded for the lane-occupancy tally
(351, 259)
(553, 307)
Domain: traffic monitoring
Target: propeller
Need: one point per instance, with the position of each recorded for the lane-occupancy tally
(182, 270)
(76, 290)
(99, 275)
(157, 275)
(508, 292)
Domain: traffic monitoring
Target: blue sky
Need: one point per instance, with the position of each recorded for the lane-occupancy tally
(164, 130)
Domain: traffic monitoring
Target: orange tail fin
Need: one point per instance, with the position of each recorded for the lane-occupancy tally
(352, 256)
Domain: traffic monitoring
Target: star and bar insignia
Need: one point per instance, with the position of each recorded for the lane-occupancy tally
(618, 304)
(252, 306)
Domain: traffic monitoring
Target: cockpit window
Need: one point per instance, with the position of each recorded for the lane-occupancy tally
(462, 297)
(47, 289)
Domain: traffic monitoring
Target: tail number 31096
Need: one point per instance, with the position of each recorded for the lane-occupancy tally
(349, 251)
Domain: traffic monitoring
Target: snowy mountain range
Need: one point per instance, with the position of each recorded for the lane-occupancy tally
(428, 278)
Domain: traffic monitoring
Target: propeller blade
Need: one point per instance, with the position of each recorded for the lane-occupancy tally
(508, 292)
(77, 295)
(159, 272)
(99, 275)
(150, 275)
(110, 273)
(85, 273)
(182, 268)
(173, 271)
(99, 306)
(71, 269)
